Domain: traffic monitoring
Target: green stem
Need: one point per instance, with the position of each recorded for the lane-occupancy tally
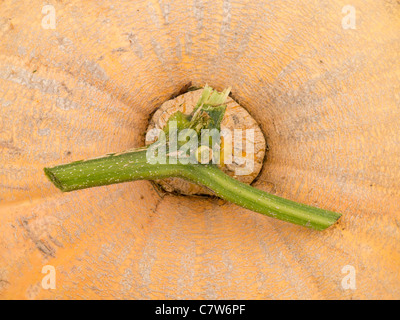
(130, 166)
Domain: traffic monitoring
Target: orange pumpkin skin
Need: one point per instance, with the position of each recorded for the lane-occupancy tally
(327, 99)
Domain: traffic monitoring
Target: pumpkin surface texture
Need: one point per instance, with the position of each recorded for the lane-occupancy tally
(321, 78)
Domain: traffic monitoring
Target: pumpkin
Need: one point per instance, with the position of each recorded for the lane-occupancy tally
(321, 78)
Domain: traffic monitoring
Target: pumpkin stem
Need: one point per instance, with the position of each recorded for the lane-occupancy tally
(145, 164)
(130, 166)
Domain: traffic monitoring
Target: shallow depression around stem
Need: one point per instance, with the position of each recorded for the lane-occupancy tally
(236, 118)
